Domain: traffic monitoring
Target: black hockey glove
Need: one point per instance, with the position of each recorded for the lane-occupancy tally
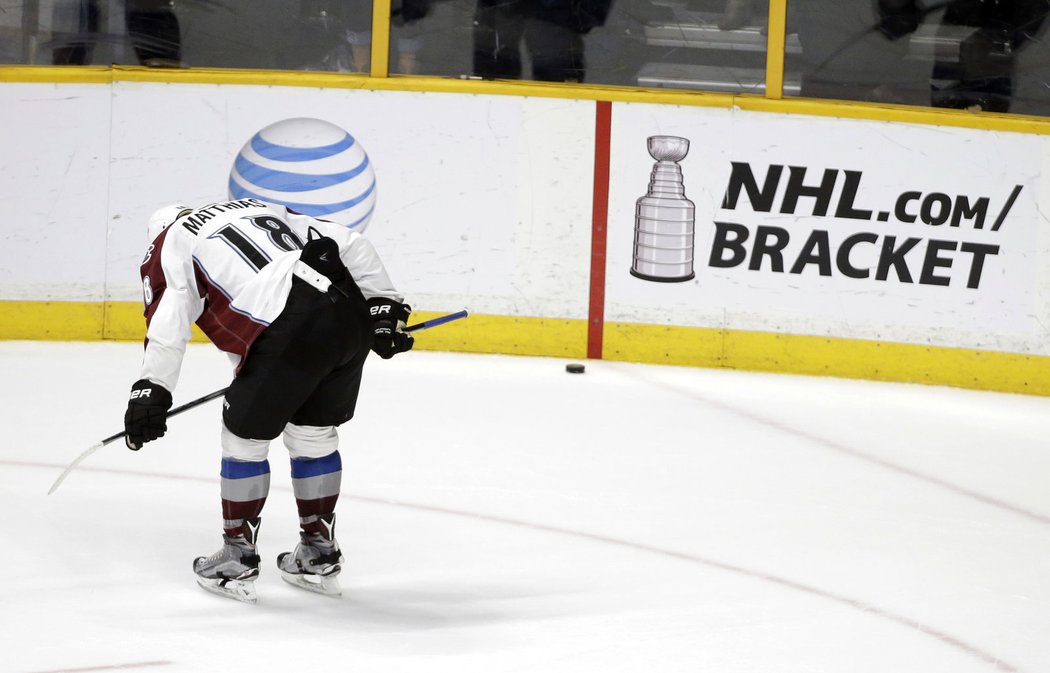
(388, 319)
(322, 255)
(147, 414)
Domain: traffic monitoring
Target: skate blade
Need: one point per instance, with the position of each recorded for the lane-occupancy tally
(238, 590)
(319, 584)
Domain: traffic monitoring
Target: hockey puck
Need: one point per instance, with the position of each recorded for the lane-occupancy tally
(574, 368)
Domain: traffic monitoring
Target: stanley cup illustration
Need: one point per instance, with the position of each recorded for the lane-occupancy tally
(664, 218)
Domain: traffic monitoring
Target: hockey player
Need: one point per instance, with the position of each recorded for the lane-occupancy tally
(297, 303)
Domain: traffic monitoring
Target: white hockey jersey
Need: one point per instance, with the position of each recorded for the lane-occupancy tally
(228, 268)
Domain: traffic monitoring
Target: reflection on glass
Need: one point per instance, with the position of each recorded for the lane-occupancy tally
(153, 31)
(707, 46)
(548, 34)
(407, 27)
(87, 32)
(713, 45)
(76, 32)
(693, 44)
(428, 37)
(980, 55)
(323, 35)
(332, 35)
(987, 55)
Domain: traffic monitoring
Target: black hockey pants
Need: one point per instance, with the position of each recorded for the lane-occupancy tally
(305, 368)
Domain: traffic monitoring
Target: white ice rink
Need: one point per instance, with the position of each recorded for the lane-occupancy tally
(501, 515)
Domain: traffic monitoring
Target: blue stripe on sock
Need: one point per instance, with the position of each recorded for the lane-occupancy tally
(242, 469)
(303, 468)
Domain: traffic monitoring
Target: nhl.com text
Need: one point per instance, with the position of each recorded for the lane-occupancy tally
(792, 194)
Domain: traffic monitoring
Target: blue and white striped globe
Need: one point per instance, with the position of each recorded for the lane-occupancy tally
(311, 166)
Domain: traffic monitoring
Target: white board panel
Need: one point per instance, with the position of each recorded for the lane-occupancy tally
(482, 200)
(837, 227)
(54, 164)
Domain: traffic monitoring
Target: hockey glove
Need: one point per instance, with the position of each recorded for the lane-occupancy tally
(388, 319)
(147, 414)
(322, 255)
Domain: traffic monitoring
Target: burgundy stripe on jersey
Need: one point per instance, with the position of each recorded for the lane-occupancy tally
(228, 328)
(153, 276)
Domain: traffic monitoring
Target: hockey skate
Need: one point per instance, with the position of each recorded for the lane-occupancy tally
(232, 571)
(316, 562)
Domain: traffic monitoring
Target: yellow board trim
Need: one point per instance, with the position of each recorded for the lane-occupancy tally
(55, 75)
(477, 334)
(828, 356)
(1013, 123)
(628, 342)
(123, 321)
(509, 335)
(51, 321)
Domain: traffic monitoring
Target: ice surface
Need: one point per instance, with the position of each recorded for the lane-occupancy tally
(501, 515)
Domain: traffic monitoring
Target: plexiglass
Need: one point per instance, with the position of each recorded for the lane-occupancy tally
(708, 45)
(981, 55)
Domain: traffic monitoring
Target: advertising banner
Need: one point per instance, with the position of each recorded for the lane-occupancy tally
(852, 228)
(476, 201)
(650, 232)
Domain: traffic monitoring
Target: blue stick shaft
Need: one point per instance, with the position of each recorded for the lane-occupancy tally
(434, 322)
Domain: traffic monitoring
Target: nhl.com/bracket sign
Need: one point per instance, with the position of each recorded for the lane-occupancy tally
(950, 239)
(770, 220)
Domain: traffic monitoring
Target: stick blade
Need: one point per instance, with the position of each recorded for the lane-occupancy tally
(69, 468)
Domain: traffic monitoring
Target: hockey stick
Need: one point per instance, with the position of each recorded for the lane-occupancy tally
(434, 322)
(114, 437)
(427, 324)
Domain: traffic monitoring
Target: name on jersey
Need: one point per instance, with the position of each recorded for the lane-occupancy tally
(200, 217)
